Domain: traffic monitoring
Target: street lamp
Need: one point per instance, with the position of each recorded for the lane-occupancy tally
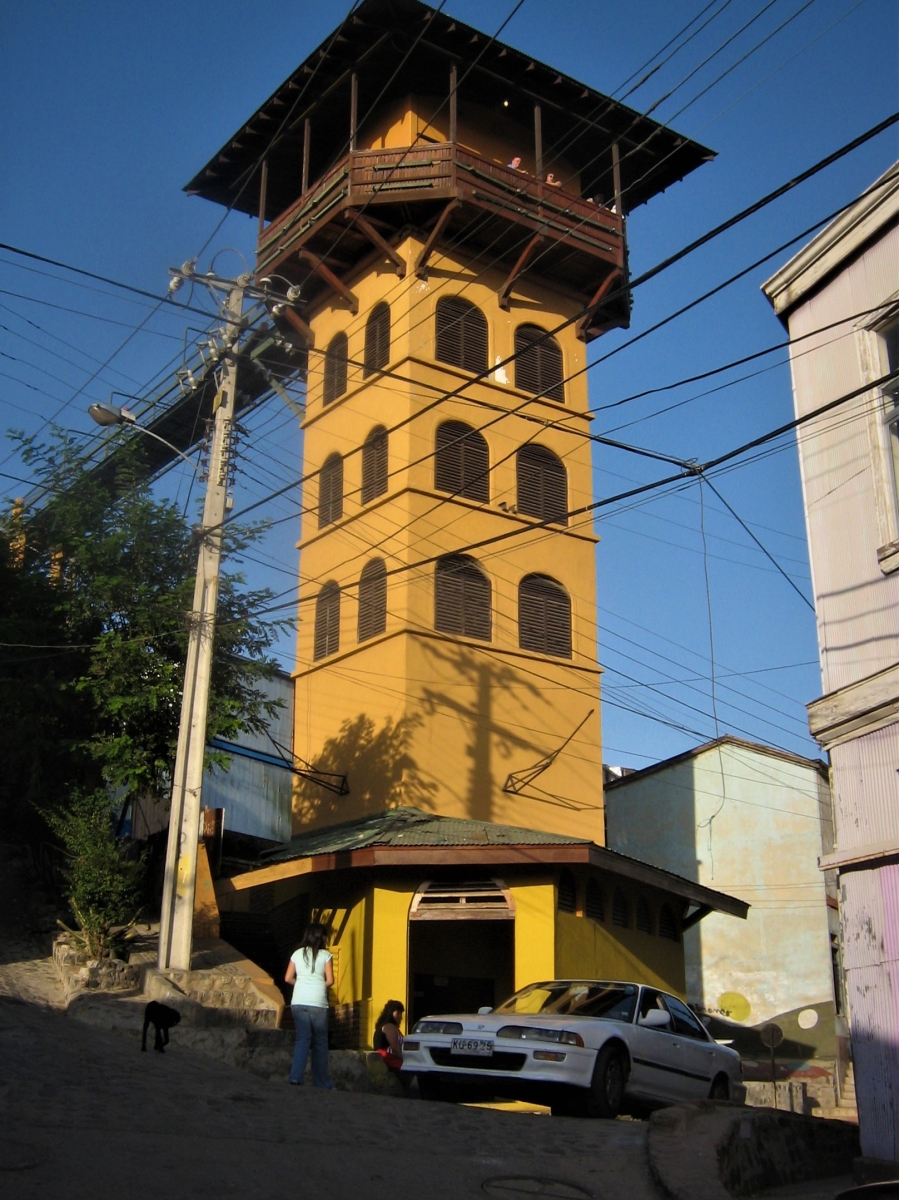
(108, 415)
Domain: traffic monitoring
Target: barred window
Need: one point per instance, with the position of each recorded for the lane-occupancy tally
(462, 599)
(461, 334)
(538, 363)
(544, 616)
(621, 914)
(644, 916)
(668, 924)
(327, 621)
(335, 368)
(374, 464)
(330, 491)
(372, 600)
(542, 484)
(567, 893)
(462, 462)
(377, 339)
(595, 906)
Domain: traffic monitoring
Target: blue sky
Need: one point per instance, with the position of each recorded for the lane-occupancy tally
(109, 108)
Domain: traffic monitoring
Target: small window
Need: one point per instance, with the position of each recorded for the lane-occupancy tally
(327, 621)
(890, 340)
(644, 916)
(595, 907)
(461, 334)
(335, 368)
(620, 909)
(542, 484)
(462, 600)
(668, 924)
(372, 600)
(462, 462)
(377, 340)
(538, 363)
(567, 893)
(330, 491)
(544, 616)
(374, 464)
(685, 1022)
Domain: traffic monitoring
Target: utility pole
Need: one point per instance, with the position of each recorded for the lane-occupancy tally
(180, 881)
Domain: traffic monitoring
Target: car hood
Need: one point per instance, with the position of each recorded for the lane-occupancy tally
(490, 1022)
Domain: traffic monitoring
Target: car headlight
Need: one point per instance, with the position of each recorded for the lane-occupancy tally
(438, 1027)
(528, 1033)
(410, 1045)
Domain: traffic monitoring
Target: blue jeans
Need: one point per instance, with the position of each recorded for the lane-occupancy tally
(312, 1028)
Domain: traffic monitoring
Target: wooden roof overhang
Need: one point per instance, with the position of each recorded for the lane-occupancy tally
(704, 900)
(398, 48)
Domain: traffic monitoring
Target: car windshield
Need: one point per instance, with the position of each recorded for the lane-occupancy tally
(610, 1001)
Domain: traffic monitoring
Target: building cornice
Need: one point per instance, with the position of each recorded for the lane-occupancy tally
(852, 711)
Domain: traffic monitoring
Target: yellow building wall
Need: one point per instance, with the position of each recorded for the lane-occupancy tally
(389, 964)
(417, 717)
(535, 906)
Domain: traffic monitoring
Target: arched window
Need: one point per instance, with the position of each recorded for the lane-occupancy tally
(335, 368)
(461, 334)
(538, 363)
(462, 462)
(595, 906)
(327, 621)
(644, 916)
(377, 339)
(668, 924)
(542, 484)
(374, 464)
(462, 602)
(372, 600)
(567, 892)
(330, 491)
(620, 909)
(544, 616)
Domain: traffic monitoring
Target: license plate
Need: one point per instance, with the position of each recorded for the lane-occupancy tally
(477, 1046)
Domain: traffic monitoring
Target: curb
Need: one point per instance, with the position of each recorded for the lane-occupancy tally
(715, 1151)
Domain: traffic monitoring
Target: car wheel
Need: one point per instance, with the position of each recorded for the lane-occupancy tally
(606, 1095)
(720, 1088)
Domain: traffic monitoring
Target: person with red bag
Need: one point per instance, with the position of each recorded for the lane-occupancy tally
(388, 1040)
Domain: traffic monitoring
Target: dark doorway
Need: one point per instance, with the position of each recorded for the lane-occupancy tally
(460, 966)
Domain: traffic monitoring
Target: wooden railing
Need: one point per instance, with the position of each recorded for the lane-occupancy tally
(441, 170)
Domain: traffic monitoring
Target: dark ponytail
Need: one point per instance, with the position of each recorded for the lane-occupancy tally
(314, 939)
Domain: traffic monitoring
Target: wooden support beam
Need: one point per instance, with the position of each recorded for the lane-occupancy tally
(587, 319)
(325, 272)
(616, 178)
(354, 108)
(263, 194)
(506, 290)
(307, 141)
(421, 264)
(696, 916)
(538, 142)
(293, 318)
(365, 226)
(453, 106)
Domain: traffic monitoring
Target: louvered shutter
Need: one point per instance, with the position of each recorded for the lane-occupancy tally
(644, 916)
(620, 912)
(330, 491)
(374, 464)
(327, 621)
(377, 339)
(462, 601)
(372, 600)
(542, 484)
(335, 368)
(668, 924)
(595, 906)
(538, 363)
(462, 462)
(544, 616)
(567, 893)
(461, 334)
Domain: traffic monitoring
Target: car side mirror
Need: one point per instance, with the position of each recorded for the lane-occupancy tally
(656, 1018)
(484, 1010)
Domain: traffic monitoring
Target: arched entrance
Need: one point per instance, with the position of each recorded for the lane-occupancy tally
(461, 946)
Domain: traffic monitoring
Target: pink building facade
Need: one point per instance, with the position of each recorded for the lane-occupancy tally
(849, 463)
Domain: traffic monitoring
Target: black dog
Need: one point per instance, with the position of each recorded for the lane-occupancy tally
(162, 1018)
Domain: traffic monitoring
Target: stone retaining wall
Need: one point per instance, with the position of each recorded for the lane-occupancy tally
(79, 973)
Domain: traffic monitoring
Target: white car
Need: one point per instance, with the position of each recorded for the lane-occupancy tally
(582, 1046)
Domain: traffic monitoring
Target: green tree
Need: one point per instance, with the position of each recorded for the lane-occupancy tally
(95, 588)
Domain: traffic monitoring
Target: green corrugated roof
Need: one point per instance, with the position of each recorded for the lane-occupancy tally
(412, 827)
